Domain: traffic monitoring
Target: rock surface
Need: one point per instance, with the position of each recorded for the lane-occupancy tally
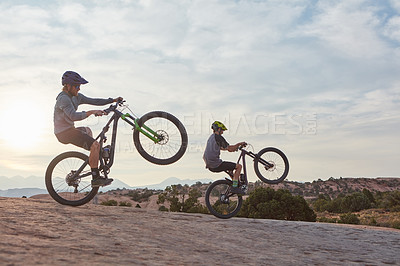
(35, 231)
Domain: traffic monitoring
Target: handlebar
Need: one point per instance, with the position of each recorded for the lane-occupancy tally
(242, 146)
(114, 106)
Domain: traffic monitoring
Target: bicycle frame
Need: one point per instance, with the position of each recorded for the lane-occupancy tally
(128, 118)
(242, 156)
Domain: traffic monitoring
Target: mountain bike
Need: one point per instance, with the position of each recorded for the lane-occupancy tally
(158, 136)
(271, 166)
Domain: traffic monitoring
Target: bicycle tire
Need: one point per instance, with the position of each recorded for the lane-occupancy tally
(174, 145)
(275, 174)
(226, 208)
(56, 180)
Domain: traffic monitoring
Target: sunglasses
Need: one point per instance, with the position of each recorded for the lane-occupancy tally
(77, 86)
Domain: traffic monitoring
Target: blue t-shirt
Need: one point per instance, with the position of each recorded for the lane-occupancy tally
(213, 150)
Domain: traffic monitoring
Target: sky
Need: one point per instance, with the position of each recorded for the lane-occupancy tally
(317, 79)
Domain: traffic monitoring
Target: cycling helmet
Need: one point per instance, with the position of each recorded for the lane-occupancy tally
(71, 77)
(217, 125)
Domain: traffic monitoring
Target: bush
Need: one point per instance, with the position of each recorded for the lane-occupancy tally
(140, 196)
(345, 203)
(355, 202)
(327, 220)
(163, 208)
(395, 224)
(270, 204)
(125, 204)
(349, 218)
(388, 200)
(110, 203)
(176, 196)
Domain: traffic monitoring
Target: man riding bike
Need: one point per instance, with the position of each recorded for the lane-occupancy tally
(65, 113)
(211, 156)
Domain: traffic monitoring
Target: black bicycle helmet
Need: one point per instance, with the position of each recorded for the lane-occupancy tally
(71, 77)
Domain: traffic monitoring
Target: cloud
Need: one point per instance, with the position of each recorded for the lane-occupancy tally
(392, 28)
(348, 27)
(238, 60)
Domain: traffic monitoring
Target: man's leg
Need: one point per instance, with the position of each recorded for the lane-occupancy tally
(94, 164)
(94, 155)
(236, 175)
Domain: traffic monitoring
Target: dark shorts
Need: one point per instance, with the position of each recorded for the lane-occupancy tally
(224, 166)
(77, 136)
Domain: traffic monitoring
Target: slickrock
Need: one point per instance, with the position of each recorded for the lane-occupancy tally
(36, 231)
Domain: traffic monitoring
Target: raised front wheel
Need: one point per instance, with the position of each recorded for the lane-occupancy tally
(271, 165)
(172, 138)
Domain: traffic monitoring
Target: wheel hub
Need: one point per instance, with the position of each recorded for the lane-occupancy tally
(272, 167)
(224, 199)
(163, 137)
(70, 180)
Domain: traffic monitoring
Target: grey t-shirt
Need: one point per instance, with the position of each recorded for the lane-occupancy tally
(65, 110)
(213, 150)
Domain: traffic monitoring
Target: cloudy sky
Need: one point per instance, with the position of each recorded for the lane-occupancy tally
(317, 79)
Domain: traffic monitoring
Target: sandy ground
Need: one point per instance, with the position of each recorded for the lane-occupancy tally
(36, 231)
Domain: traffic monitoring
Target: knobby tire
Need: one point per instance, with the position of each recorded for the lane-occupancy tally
(56, 183)
(275, 174)
(214, 205)
(165, 152)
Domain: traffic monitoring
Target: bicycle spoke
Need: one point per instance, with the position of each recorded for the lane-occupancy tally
(65, 187)
(271, 166)
(162, 150)
(220, 201)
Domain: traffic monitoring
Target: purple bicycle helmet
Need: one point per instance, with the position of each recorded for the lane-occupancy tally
(71, 77)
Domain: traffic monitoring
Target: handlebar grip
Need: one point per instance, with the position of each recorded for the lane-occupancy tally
(242, 146)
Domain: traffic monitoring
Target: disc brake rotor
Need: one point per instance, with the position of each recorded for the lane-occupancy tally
(163, 136)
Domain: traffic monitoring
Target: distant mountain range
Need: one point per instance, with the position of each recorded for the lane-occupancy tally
(19, 186)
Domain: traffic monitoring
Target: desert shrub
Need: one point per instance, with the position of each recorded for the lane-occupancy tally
(270, 204)
(163, 208)
(355, 202)
(349, 218)
(138, 206)
(125, 204)
(326, 220)
(110, 203)
(198, 208)
(395, 224)
(345, 203)
(141, 196)
(182, 199)
(372, 221)
(388, 200)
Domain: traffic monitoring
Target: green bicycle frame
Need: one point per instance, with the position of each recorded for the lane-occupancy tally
(145, 130)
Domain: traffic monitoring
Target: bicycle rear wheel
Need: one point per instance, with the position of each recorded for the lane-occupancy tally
(174, 139)
(271, 165)
(60, 185)
(220, 201)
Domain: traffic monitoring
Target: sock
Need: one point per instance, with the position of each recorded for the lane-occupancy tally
(235, 183)
(95, 173)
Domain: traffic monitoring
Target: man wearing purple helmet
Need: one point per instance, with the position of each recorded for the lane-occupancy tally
(65, 113)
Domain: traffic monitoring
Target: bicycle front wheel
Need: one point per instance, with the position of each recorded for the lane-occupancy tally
(271, 165)
(220, 201)
(60, 181)
(173, 143)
